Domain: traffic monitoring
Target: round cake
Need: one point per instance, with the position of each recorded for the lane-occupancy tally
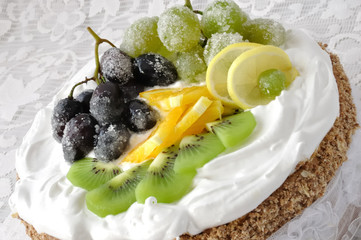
(247, 192)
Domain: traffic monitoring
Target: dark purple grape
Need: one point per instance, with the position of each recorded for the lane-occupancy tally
(112, 141)
(64, 110)
(139, 116)
(107, 103)
(84, 98)
(79, 137)
(116, 66)
(131, 90)
(155, 70)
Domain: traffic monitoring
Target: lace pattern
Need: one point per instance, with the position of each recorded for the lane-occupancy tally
(44, 42)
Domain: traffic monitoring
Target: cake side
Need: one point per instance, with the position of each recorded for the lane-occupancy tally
(306, 184)
(300, 190)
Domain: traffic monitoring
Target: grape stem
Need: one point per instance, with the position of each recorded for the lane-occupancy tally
(78, 84)
(188, 4)
(98, 41)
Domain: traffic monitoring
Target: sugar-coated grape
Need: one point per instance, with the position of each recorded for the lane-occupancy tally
(139, 116)
(179, 29)
(112, 141)
(271, 82)
(107, 103)
(264, 31)
(116, 66)
(189, 64)
(222, 16)
(79, 137)
(217, 42)
(153, 69)
(142, 37)
(84, 98)
(131, 90)
(63, 111)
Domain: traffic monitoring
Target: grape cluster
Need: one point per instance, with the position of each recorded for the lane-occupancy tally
(156, 51)
(104, 118)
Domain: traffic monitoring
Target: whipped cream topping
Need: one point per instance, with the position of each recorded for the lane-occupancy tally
(288, 131)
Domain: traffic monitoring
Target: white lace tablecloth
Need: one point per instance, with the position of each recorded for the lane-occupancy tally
(44, 43)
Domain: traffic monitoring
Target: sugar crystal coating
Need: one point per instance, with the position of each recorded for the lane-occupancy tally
(222, 16)
(217, 42)
(142, 37)
(264, 31)
(116, 66)
(112, 141)
(179, 29)
(79, 137)
(189, 64)
(140, 116)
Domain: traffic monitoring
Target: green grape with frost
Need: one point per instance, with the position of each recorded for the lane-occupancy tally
(217, 42)
(271, 82)
(264, 31)
(191, 63)
(141, 37)
(222, 16)
(179, 29)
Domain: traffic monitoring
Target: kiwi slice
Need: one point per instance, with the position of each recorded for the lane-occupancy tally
(161, 181)
(90, 173)
(197, 150)
(233, 130)
(118, 194)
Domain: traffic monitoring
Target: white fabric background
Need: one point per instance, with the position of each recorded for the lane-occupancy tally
(44, 42)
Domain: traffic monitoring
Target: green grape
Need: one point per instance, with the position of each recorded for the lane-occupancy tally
(179, 29)
(264, 31)
(271, 82)
(191, 63)
(141, 37)
(217, 42)
(222, 16)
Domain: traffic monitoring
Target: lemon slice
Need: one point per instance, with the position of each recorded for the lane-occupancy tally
(242, 81)
(216, 77)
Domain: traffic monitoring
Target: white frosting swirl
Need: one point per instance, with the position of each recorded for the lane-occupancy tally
(288, 131)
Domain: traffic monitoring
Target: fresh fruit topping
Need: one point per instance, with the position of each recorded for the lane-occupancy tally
(271, 82)
(160, 180)
(116, 195)
(190, 64)
(84, 98)
(213, 112)
(219, 41)
(107, 103)
(116, 66)
(179, 29)
(222, 16)
(217, 71)
(264, 31)
(79, 137)
(142, 37)
(155, 70)
(90, 173)
(233, 130)
(197, 150)
(139, 116)
(242, 80)
(112, 140)
(162, 134)
(167, 99)
(63, 111)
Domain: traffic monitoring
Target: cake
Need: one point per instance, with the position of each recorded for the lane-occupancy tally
(307, 178)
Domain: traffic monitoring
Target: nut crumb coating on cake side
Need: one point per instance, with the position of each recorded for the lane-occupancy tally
(300, 190)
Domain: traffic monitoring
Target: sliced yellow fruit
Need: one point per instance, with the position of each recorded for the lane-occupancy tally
(242, 81)
(217, 71)
(170, 98)
(186, 121)
(213, 112)
(159, 136)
